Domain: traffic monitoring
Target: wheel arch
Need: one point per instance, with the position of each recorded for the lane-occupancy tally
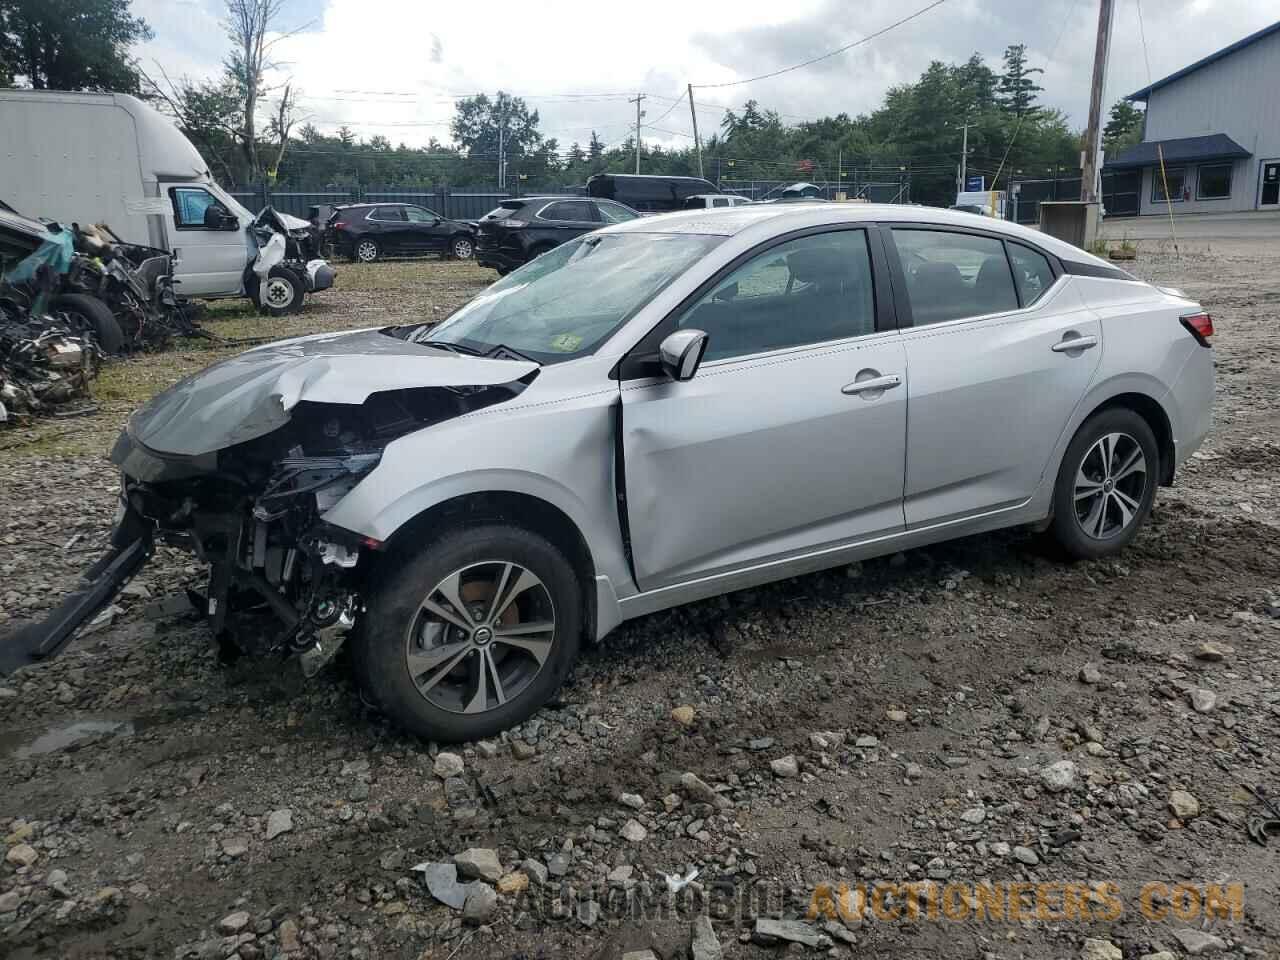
(524, 510)
(1157, 418)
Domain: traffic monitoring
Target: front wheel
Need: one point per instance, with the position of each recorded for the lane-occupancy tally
(367, 250)
(1106, 484)
(279, 294)
(471, 633)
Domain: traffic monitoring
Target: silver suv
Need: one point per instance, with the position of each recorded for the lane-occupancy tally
(658, 412)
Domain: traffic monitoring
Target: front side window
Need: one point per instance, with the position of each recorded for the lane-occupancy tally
(393, 214)
(1176, 177)
(611, 212)
(1214, 182)
(1031, 272)
(195, 208)
(567, 211)
(951, 276)
(720, 202)
(568, 301)
(808, 290)
(419, 215)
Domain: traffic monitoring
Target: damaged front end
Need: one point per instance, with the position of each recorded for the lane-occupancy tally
(240, 463)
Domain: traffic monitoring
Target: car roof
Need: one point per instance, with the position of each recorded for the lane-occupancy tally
(776, 218)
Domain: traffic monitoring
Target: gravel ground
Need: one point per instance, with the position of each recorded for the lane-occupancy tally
(972, 713)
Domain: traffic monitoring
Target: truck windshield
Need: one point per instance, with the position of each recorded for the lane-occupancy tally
(566, 302)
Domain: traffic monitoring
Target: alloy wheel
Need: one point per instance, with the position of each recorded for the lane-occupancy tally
(278, 293)
(366, 251)
(462, 249)
(480, 637)
(1110, 485)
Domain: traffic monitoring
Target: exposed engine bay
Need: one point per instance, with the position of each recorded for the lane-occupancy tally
(244, 483)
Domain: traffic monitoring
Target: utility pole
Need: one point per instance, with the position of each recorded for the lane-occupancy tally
(964, 159)
(502, 179)
(638, 98)
(1089, 162)
(696, 142)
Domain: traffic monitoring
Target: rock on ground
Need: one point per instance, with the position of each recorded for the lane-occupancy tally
(705, 946)
(278, 822)
(1095, 949)
(479, 862)
(1199, 943)
(1058, 777)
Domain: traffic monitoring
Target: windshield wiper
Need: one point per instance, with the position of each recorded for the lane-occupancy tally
(451, 347)
(503, 352)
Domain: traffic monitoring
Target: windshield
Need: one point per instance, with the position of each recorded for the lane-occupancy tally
(566, 302)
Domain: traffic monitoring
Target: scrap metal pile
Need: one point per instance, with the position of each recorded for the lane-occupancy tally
(69, 297)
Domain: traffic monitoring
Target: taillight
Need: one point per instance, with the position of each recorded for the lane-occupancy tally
(1200, 326)
(339, 224)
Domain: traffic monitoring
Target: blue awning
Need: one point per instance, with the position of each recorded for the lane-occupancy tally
(1213, 146)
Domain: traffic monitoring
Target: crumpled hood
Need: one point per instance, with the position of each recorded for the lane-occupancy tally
(252, 394)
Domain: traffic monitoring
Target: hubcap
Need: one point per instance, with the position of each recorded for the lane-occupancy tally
(279, 292)
(480, 637)
(366, 251)
(462, 249)
(1110, 484)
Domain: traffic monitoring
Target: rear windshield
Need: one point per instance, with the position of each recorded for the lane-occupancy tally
(503, 210)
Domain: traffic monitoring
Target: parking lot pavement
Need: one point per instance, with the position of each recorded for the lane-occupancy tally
(969, 721)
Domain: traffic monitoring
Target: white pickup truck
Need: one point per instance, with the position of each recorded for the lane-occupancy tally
(110, 158)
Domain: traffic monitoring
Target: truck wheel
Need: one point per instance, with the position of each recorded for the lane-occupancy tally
(281, 293)
(469, 634)
(91, 314)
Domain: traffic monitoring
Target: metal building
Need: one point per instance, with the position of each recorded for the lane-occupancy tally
(1217, 123)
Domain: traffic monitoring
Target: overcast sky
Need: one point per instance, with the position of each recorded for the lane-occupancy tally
(393, 66)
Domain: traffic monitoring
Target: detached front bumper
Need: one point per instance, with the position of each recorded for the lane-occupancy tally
(132, 544)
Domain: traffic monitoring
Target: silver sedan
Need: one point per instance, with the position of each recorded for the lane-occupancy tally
(658, 412)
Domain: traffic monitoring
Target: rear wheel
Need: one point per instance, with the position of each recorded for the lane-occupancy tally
(461, 248)
(471, 633)
(91, 314)
(1106, 484)
(367, 250)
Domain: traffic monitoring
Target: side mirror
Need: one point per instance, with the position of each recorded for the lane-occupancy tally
(229, 222)
(681, 353)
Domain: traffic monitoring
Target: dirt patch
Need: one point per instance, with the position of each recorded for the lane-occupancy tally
(922, 697)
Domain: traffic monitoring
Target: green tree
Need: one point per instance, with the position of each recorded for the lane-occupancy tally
(1018, 89)
(70, 44)
(1124, 128)
(478, 120)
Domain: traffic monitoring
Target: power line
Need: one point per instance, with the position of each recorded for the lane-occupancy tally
(826, 56)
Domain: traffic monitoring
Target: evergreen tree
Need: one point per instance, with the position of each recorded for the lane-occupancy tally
(1018, 89)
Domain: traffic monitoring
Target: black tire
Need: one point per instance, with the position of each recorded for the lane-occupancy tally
(366, 250)
(281, 294)
(92, 314)
(1091, 525)
(395, 608)
(462, 247)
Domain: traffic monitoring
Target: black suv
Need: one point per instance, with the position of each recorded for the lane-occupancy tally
(519, 229)
(368, 231)
(648, 194)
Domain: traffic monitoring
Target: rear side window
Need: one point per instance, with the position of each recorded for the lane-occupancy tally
(720, 202)
(808, 290)
(503, 211)
(420, 215)
(951, 276)
(572, 211)
(1031, 272)
(394, 214)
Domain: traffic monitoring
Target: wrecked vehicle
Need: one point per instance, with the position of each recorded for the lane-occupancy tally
(155, 190)
(659, 412)
(45, 362)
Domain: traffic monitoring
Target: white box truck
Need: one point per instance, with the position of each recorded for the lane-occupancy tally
(110, 158)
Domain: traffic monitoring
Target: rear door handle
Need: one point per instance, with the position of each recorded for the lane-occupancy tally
(1074, 343)
(874, 383)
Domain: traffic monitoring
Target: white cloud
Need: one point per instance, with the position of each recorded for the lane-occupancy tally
(435, 51)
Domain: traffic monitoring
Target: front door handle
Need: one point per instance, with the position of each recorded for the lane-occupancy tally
(887, 382)
(1067, 344)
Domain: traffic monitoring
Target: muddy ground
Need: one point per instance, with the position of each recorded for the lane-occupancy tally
(158, 803)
